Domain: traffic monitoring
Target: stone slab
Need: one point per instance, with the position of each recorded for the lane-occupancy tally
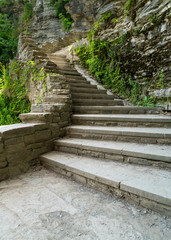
(149, 151)
(153, 184)
(123, 117)
(129, 131)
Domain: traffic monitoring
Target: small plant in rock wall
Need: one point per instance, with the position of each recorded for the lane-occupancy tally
(62, 14)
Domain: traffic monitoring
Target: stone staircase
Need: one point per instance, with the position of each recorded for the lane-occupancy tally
(121, 150)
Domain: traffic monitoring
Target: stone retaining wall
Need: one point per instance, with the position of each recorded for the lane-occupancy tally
(20, 146)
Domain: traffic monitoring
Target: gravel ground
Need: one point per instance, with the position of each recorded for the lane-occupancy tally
(42, 205)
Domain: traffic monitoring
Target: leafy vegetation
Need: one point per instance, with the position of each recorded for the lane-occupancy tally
(10, 28)
(24, 21)
(104, 60)
(14, 89)
(8, 39)
(129, 8)
(28, 11)
(99, 24)
(62, 13)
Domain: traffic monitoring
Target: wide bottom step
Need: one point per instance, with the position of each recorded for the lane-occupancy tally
(144, 185)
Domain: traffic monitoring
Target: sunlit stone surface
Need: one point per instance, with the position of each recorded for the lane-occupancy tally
(43, 205)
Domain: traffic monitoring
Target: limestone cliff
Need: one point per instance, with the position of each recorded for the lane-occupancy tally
(146, 26)
(84, 12)
(45, 27)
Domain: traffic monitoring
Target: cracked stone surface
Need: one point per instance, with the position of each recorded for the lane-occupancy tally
(42, 205)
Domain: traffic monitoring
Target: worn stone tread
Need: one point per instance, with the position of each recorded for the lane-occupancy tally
(129, 131)
(146, 151)
(92, 96)
(113, 109)
(123, 117)
(93, 102)
(149, 183)
(85, 90)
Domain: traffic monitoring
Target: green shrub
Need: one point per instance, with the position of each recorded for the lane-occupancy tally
(100, 23)
(102, 59)
(28, 11)
(13, 92)
(66, 22)
(62, 14)
(8, 39)
(14, 88)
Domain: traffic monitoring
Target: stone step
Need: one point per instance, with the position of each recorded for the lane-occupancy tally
(137, 153)
(57, 78)
(51, 70)
(39, 53)
(78, 81)
(68, 69)
(128, 120)
(63, 65)
(56, 99)
(58, 57)
(45, 107)
(47, 63)
(36, 117)
(76, 77)
(113, 109)
(97, 102)
(86, 90)
(125, 134)
(82, 85)
(143, 185)
(69, 73)
(92, 96)
(41, 58)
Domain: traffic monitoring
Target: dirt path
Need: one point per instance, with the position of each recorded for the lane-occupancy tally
(41, 205)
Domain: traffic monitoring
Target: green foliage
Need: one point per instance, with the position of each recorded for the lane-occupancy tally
(129, 8)
(59, 6)
(62, 14)
(98, 25)
(8, 39)
(28, 11)
(4, 3)
(128, 5)
(66, 22)
(14, 89)
(160, 83)
(13, 92)
(148, 101)
(102, 59)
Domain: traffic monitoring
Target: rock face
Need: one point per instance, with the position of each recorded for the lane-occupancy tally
(84, 12)
(45, 26)
(146, 25)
